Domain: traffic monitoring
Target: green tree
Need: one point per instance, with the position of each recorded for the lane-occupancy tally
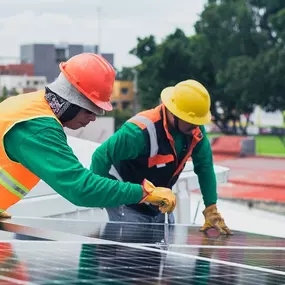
(4, 94)
(234, 83)
(146, 47)
(232, 42)
(268, 15)
(13, 92)
(127, 73)
(269, 81)
(162, 65)
(237, 53)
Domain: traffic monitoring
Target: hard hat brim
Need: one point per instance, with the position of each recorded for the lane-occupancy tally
(106, 106)
(166, 98)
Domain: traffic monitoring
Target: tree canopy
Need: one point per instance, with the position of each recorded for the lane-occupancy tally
(237, 52)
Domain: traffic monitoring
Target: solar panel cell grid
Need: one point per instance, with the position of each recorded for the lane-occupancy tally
(189, 258)
(55, 263)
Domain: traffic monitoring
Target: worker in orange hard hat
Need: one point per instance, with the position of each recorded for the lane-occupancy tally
(156, 144)
(34, 145)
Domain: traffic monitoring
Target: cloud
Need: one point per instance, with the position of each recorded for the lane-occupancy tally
(55, 21)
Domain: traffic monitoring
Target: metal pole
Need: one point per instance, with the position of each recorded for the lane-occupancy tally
(99, 30)
(196, 212)
(135, 91)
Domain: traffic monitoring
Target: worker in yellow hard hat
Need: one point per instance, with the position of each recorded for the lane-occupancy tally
(155, 144)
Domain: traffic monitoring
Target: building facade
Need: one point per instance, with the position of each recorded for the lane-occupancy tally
(17, 69)
(46, 57)
(123, 95)
(17, 84)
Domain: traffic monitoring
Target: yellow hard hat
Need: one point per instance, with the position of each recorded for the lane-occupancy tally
(189, 101)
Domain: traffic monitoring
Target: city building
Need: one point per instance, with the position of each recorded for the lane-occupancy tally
(123, 95)
(46, 57)
(17, 84)
(17, 69)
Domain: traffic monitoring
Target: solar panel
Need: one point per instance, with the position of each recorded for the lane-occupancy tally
(147, 233)
(83, 252)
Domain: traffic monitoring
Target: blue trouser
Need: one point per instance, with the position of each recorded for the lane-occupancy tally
(127, 214)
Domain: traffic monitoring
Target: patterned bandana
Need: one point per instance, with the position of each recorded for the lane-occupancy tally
(64, 110)
(57, 104)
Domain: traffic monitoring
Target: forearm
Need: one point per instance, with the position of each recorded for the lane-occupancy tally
(48, 156)
(101, 162)
(66, 175)
(203, 166)
(208, 185)
(87, 189)
(126, 144)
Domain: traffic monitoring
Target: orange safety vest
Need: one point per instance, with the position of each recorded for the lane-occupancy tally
(15, 179)
(161, 165)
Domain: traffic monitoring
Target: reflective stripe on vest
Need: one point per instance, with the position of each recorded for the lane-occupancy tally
(8, 182)
(1, 210)
(151, 131)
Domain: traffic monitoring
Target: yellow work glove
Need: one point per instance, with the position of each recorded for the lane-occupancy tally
(5, 215)
(213, 219)
(158, 196)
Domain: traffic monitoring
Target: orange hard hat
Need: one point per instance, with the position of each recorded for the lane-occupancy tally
(93, 76)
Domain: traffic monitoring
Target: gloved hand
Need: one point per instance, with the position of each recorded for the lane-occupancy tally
(213, 219)
(5, 215)
(159, 196)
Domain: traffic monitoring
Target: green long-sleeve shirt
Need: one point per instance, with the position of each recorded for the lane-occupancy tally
(129, 142)
(41, 146)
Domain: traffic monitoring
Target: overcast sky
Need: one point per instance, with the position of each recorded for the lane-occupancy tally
(74, 21)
